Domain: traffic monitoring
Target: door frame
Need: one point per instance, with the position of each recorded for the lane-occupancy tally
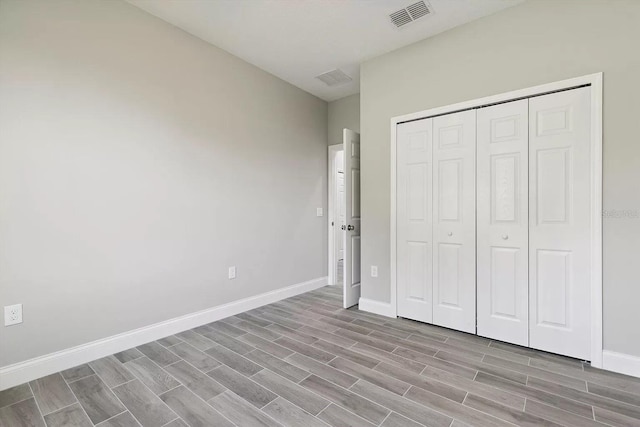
(333, 150)
(596, 83)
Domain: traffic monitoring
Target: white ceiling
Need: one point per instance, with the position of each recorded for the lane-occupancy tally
(298, 39)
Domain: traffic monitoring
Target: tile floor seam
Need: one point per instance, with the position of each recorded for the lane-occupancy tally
(60, 409)
(19, 401)
(38, 405)
(110, 418)
(205, 402)
(142, 383)
(385, 418)
(167, 423)
(77, 379)
(592, 407)
(79, 403)
(116, 396)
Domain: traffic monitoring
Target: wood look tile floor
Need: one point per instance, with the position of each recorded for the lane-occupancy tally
(305, 361)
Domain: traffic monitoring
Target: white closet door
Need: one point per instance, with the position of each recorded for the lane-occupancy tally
(454, 257)
(559, 233)
(503, 222)
(414, 220)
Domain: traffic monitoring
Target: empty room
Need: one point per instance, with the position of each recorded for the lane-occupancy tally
(319, 213)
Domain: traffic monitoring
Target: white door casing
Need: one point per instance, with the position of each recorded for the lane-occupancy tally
(454, 236)
(351, 141)
(414, 220)
(560, 221)
(503, 222)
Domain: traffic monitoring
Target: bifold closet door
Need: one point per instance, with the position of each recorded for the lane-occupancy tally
(414, 220)
(503, 222)
(560, 182)
(454, 208)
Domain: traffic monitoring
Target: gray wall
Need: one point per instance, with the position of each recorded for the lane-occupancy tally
(533, 43)
(343, 113)
(136, 164)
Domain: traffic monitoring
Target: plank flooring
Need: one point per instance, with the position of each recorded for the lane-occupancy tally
(307, 362)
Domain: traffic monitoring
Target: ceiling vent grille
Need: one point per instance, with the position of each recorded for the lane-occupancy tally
(334, 77)
(400, 18)
(410, 14)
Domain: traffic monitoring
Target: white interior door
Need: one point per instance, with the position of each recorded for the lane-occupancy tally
(414, 220)
(503, 222)
(560, 222)
(351, 276)
(454, 236)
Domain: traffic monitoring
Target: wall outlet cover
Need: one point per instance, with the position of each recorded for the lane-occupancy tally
(374, 271)
(232, 272)
(12, 314)
(319, 212)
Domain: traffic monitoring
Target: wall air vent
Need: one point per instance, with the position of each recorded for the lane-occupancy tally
(334, 78)
(410, 13)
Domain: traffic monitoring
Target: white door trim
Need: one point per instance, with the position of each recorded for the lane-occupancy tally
(331, 194)
(595, 81)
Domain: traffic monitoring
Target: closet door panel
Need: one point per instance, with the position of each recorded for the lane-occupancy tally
(560, 222)
(414, 220)
(454, 270)
(502, 224)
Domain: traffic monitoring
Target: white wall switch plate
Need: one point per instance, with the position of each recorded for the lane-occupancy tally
(319, 212)
(12, 314)
(374, 271)
(232, 272)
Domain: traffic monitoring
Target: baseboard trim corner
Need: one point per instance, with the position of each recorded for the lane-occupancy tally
(376, 307)
(22, 372)
(621, 363)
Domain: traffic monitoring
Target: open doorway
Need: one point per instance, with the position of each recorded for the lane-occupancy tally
(336, 198)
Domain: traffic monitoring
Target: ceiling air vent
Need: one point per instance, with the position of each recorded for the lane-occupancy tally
(334, 77)
(401, 18)
(410, 14)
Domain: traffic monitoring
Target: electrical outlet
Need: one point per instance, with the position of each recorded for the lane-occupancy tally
(374, 271)
(319, 212)
(232, 272)
(12, 314)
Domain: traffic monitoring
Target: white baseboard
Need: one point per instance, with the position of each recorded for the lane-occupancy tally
(38, 367)
(621, 363)
(376, 307)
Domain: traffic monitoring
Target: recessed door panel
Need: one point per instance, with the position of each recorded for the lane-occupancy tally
(560, 222)
(418, 254)
(505, 182)
(414, 220)
(502, 228)
(417, 191)
(449, 279)
(454, 274)
(554, 185)
(450, 191)
(504, 283)
(553, 284)
(355, 261)
(341, 216)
